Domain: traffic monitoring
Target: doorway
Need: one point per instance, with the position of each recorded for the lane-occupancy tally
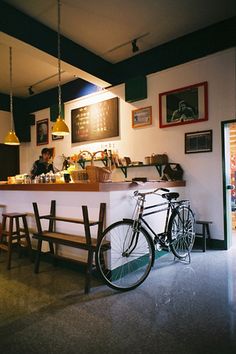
(229, 181)
(9, 161)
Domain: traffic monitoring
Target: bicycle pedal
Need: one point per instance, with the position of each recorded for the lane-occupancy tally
(158, 247)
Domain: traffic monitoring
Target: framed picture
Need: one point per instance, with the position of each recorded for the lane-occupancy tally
(57, 137)
(141, 117)
(184, 105)
(42, 132)
(198, 142)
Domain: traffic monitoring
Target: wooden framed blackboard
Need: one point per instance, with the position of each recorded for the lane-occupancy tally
(96, 121)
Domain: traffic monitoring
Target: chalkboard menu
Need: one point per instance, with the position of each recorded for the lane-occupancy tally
(96, 121)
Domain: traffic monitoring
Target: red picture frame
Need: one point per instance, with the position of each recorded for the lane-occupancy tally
(184, 105)
(42, 132)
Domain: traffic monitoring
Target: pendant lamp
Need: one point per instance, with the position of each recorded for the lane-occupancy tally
(11, 138)
(59, 128)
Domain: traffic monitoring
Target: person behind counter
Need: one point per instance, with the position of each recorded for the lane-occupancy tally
(42, 165)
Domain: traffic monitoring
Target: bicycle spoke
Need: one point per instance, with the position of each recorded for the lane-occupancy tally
(181, 232)
(127, 262)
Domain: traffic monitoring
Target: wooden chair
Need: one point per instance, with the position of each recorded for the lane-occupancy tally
(85, 242)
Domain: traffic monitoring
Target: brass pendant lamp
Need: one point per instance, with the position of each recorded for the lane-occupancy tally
(59, 128)
(11, 138)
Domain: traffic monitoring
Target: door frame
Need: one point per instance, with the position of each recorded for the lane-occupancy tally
(226, 238)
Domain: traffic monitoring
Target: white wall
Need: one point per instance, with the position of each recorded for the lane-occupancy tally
(202, 171)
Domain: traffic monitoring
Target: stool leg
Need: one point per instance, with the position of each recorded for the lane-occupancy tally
(208, 231)
(204, 238)
(10, 243)
(18, 235)
(3, 229)
(27, 237)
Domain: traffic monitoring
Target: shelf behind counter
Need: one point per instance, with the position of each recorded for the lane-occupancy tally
(92, 187)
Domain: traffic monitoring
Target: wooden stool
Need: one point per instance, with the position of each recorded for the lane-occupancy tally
(204, 233)
(7, 238)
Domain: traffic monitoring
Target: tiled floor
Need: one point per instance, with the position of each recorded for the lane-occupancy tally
(180, 308)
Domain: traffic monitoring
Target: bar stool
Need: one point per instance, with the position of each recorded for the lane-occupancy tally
(205, 232)
(10, 237)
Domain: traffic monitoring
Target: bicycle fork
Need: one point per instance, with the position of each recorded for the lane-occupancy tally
(135, 229)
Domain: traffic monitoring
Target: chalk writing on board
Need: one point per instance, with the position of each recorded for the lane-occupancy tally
(96, 121)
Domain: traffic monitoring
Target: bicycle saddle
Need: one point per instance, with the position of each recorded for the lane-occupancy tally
(171, 195)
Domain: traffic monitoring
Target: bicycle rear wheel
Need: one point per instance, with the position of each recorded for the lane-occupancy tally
(181, 231)
(124, 256)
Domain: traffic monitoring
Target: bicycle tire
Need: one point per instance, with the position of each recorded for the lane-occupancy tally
(181, 234)
(119, 269)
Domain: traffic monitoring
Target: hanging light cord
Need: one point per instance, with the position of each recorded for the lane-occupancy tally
(11, 99)
(59, 56)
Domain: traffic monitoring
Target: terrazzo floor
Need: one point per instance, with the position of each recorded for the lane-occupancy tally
(180, 308)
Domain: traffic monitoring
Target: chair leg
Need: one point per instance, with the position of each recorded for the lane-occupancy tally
(37, 259)
(88, 272)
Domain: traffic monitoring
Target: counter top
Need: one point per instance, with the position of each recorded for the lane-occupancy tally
(91, 187)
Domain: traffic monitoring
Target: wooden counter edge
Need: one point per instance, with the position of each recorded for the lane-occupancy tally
(91, 187)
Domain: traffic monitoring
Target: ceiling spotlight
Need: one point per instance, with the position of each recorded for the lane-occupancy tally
(31, 92)
(135, 48)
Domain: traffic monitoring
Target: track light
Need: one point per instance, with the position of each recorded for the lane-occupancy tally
(31, 92)
(135, 48)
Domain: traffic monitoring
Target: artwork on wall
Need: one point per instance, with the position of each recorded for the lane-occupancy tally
(57, 137)
(198, 142)
(96, 121)
(141, 117)
(184, 105)
(42, 132)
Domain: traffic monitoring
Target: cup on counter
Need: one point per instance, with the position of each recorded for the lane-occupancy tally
(67, 177)
(147, 160)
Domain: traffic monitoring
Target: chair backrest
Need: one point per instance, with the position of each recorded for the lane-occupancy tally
(101, 220)
(38, 217)
(51, 227)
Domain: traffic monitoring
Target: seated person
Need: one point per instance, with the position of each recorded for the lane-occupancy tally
(183, 112)
(42, 165)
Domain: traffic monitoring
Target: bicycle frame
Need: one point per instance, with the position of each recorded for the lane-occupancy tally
(167, 206)
(138, 220)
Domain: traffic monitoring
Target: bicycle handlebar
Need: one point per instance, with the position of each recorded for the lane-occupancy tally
(152, 192)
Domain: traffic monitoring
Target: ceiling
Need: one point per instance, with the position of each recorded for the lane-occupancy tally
(104, 27)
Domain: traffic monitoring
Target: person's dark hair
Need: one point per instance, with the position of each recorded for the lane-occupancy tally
(46, 151)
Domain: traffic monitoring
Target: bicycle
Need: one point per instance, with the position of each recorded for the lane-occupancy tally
(126, 250)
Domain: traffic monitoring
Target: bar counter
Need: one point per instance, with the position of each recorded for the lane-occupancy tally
(118, 196)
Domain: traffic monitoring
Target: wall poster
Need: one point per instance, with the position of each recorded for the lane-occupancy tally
(96, 121)
(184, 105)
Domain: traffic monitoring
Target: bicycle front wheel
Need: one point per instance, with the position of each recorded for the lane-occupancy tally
(181, 231)
(124, 256)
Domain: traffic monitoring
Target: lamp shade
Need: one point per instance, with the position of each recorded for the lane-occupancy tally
(60, 128)
(11, 138)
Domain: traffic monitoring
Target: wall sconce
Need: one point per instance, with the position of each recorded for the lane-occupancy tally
(135, 48)
(31, 92)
